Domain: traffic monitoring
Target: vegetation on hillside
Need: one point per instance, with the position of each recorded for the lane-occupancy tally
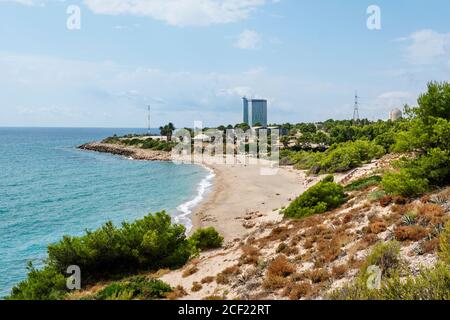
(324, 196)
(429, 284)
(148, 143)
(150, 243)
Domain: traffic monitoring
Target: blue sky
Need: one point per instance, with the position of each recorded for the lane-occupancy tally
(192, 60)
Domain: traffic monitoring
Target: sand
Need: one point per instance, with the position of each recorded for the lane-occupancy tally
(238, 191)
(241, 190)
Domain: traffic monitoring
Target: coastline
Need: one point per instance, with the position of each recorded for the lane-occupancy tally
(236, 193)
(240, 193)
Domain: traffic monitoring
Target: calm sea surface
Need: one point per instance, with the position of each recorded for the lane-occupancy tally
(48, 189)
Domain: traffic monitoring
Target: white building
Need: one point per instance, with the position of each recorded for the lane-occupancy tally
(395, 114)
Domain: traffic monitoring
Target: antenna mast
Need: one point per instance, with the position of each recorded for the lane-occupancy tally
(356, 109)
(149, 128)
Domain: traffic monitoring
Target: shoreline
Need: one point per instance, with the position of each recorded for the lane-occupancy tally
(236, 193)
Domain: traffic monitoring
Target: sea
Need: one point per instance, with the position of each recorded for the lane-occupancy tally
(49, 188)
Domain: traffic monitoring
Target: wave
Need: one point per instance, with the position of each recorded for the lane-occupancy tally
(185, 209)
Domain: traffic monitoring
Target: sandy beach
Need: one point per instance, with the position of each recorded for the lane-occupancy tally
(239, 191)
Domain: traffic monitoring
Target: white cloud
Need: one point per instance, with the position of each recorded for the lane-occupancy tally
(62, 92)
(27, 2)
(427, 47)
(179, 12)
(248, 39)
(173, 12)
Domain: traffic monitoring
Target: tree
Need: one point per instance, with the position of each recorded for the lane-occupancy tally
(167, 130)
(434, 103)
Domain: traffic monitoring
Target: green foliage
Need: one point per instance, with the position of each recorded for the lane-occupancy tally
(376, 195)
(349, 155)
(384, 255)
(167, 130)
(404, 184)
(324, 196)
(152, 242)
(207, 238)
(134, 288)
(111, 140)
(433, 284)
(445, 245)
(435, 103)
(147, 244)
(338, 158)
(45, 284)
(363, 183)
(428, 134)
(429, 284)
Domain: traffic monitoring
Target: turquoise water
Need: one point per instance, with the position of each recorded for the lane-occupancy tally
(48, 189)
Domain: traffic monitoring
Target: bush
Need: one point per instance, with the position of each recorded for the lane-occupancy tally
(384, 255)
(363, 183)
(134, 288)
(404, 184)
(320, 198)
(207, 238)
(349, 155)
(45, 284)
(340, 157)
(431, 284)
(150, 243)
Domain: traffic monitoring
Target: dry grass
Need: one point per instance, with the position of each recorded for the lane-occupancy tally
(318, 275)
(189, 271)
(226, 275)
(213, 298)
(196, 287)
(410, 233)
(277, 272)
(177, 293)
(208, 280)
(430, 246)
(286, 249)
(339, 271)
(272, 282)
(431, 215)
(250, 255)
(297, 291)
(280, 266)
(377, 227)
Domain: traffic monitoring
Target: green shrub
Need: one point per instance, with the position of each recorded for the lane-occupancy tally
(338, 158)
(349, 155)
(207, 238)
(363, 183)
(404, 184)
(45, 284)
(152, 242)
(324, 196)
(134, 288)
(376, 195)
(429, 284)
(384, 255)
(432, 284)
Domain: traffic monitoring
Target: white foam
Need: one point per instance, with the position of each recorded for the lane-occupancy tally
(186, 208)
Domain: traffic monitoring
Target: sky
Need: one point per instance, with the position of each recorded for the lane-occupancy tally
(99, 63)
